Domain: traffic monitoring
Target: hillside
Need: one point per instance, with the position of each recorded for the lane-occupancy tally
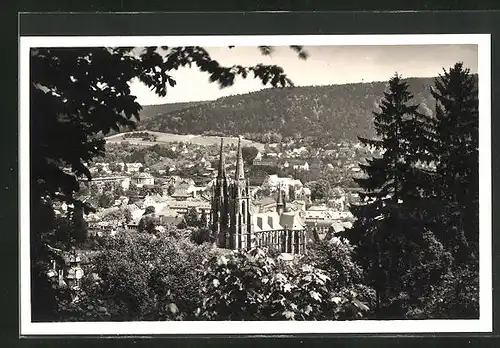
(166, 138)
(149, 111)
(324, 113)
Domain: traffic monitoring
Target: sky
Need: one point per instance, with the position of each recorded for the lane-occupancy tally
(326, 65)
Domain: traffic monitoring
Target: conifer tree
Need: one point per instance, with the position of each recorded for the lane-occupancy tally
(456, 155)
(386, 231)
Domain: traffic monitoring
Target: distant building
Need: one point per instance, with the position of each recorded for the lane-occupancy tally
(236, 225)
(296, 164)
(286, 184)
(266, 162)
(143, 179)
(133, 167)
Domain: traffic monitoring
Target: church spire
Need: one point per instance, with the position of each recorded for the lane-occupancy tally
(222, 163)
(240, 173)
(279, 202)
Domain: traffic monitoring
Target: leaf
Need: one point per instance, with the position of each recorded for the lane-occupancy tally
(323, 276)
(360, 305)
(315, 295)
(222, 260)
(308, 309)
(173, 308)
(336, 299)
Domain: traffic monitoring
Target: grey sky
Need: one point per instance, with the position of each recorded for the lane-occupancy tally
(326, 65)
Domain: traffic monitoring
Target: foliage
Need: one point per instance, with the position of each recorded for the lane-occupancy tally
(106, 200)
(254, 286)
(319, 189)
(201, 235)
(335, 257)
(149, 210)
(192, 218)
(249, 153)
(137, 277)
(148, 223)
(456, 154)
(416, 232)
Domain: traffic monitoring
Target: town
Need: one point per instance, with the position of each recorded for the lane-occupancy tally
(174, 181)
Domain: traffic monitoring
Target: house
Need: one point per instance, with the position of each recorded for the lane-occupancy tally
(273, 182)
(143, 179)
(183, 188)
(266, 162)
(295, 163)
(133, 167)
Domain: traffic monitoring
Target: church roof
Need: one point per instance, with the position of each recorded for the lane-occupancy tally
(291, 220)
(271, 221)
(265, 201)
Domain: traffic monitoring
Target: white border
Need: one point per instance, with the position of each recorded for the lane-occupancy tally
(483, 324)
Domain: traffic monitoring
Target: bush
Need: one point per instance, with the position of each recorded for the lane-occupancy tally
(201, 235)
(254, 286)
(142, 277)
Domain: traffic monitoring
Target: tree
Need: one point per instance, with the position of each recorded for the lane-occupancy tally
(192, 218)
(106, 200)
(203, 220)
(115, 167)
(118, 191)
(148, 224)
(456, 157)
(291, 193)
(149, 210)
(128, 215)
(249, 153)
(319, 189)
(171, 190)
(80, 226)
(386, 232)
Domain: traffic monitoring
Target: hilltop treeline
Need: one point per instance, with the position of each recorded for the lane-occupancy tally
(324, 113)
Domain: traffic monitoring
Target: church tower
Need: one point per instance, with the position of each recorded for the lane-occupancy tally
(241, 224)
(220, 202)
(280, 204)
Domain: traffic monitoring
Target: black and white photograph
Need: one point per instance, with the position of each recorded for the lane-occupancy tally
(255, 184)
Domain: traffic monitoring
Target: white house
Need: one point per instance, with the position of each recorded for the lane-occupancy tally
(133, 167)
(142, 179)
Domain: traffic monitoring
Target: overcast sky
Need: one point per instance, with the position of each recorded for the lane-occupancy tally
(326, 65)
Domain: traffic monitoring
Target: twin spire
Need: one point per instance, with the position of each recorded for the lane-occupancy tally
(240, 172)
(222, 163)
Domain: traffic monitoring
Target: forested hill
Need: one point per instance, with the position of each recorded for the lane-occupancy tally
(324, 113)
(149, 111)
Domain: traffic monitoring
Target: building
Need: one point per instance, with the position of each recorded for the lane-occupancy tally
(296, 164)
(143, 179)
(132, 167)
(273, 182)
(236, 224)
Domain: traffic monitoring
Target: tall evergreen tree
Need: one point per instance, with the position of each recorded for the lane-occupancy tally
(387, 231)
(456, 154)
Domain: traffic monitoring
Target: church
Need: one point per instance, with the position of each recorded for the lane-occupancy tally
(236, 223)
